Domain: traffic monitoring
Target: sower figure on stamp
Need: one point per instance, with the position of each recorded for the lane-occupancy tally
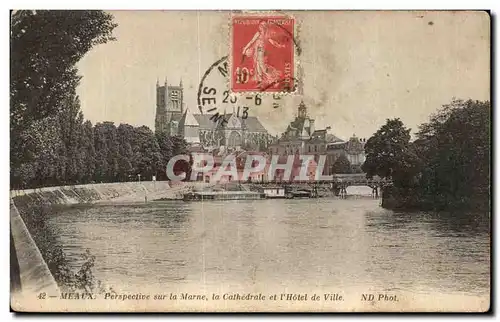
(265, 74)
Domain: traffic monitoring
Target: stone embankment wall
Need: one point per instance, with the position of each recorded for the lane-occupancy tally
(29, 270)
(121, 192)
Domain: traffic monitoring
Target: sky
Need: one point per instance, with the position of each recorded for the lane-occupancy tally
(359, 67)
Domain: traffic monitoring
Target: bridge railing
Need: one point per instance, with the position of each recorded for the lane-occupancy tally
(321, 182)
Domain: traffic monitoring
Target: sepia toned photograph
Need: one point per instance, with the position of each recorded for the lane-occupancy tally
(250, 161)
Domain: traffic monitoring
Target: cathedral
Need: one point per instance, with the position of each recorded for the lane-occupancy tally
(174, 118)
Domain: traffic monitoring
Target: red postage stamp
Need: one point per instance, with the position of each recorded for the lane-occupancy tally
(262, 54)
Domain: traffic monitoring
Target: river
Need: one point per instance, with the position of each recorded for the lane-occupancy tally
(328, 245)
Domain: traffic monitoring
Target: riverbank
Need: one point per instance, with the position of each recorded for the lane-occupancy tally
(28, 269)
(408, 200)
(121, 192)
(41, 263)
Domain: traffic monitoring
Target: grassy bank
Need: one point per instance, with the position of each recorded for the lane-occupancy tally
(36, 215)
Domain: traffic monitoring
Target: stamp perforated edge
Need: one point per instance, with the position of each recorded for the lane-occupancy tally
(298, 74)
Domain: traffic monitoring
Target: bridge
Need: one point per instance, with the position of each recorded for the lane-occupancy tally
(359, 179)
(338, 184)
(342, 181)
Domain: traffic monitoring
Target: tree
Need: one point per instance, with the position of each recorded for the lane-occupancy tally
(112, 153)
(166, 150)
(341, 165)
(43, 146)
(87, 172)
(102, 152)
(147, 152)
(447, 166)
(71, 127)
(455, 147)
(127, 162)
(389, 154)
(180, 146)
(45, 47)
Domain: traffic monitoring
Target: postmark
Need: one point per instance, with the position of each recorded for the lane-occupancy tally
(214, 96)
(262, 53)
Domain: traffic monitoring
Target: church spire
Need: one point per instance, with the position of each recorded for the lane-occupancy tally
(165, 81)
(157, 82)
(302, 109)
(180, 83)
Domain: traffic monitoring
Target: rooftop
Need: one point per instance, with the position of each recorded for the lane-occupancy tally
(250, 124)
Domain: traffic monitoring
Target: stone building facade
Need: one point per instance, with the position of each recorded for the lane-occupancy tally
(301, 136)
(353, 150)
(173, 117)
(169, 107)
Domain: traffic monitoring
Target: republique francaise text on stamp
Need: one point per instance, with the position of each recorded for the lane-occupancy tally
(262, 53)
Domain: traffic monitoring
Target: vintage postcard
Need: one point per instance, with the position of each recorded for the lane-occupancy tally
(250, 161)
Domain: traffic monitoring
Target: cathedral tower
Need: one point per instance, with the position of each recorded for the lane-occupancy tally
(302, 110)
(169, 106)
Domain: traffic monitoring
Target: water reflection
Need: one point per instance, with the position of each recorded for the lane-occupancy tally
(240, 244)
(432, 250)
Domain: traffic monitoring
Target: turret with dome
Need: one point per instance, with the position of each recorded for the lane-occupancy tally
(301, 136)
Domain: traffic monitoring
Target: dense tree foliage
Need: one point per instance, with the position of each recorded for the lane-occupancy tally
(390, 155)
(51, 143)
(447, 166)
(454, 151)
(341, 165)
(75, 152)
(45, 47)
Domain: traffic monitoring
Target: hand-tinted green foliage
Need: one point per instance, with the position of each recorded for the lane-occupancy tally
(447, 166)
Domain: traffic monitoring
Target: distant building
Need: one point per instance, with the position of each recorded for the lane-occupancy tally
(174, 118)
(240, 158)
(169, 107)
(302, 137)
(353, 150)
